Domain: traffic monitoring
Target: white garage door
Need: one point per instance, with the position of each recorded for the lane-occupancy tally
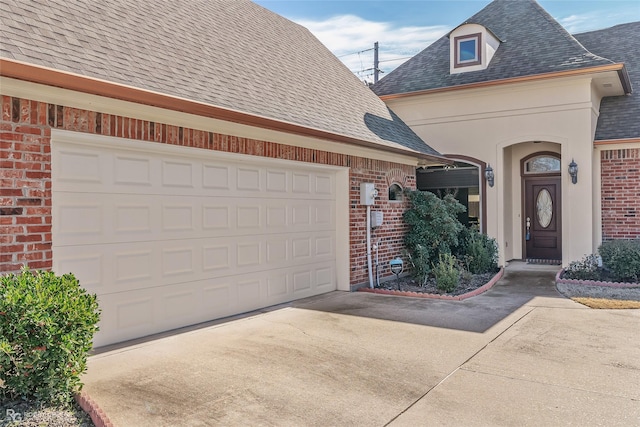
(171, 236)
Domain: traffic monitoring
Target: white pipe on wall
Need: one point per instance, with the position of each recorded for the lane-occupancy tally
(369, 246)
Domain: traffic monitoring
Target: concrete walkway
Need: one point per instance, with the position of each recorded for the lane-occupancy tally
(520, 354)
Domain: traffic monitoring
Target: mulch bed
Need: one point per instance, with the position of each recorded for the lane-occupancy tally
(407, 286)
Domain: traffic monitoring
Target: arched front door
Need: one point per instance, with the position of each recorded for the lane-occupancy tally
(542, 222)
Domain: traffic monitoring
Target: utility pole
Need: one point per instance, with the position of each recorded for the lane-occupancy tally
(376, 70)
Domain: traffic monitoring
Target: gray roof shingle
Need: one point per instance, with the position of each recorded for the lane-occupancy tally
(229, 54)
(619, 115)
(532, 43)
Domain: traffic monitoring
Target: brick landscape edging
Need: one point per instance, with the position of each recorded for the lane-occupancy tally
(594, 282)
(473, 293)
(88, 405)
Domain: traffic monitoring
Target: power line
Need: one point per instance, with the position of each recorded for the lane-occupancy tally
(355, 53)
(397, 59)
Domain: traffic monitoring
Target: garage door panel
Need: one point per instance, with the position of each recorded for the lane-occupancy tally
(87, 266)
(117, 267)
(249, 179)
(134, 265)
(131, 171)
(178, 261)
(82, 218)
(79, 166)
(91, 169)
(169, 236)
(79, 219)
(277, 181)
(325, 279)
(178, 174)
(278, 287)
(137, 313)
(217, 177)
(324, 185)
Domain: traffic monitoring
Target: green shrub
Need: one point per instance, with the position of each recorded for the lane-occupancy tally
(480, 253)
(622, 259)
(47, 325)
(446, 272)
(584, 269)
(433, 229)
(420, 263)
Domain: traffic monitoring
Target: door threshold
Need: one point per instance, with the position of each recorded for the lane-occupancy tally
(544, 261)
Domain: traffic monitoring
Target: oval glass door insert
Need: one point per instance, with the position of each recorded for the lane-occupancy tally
(544, 206)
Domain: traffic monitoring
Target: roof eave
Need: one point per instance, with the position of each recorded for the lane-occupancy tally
(623, 74)
(75, 82)
(620, 141)
(619, 67)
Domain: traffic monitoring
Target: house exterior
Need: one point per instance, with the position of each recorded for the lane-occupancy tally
(190, 160)
(510, 95)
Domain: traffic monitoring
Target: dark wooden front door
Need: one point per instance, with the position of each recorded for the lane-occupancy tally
(542, 222)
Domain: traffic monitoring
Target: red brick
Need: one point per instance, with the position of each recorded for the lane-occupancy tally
(38, 229)
(40, 265)
(25, 220)
(29, 238)
(9, 249)
(37, 175)
(32, 130)
(30, 247)
(11, 136)
(9, 268)
(25, 111)
(30, 256)
(38, 211)
(6, 108)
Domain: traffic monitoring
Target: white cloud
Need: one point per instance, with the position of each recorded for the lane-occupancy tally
(577, 23)
(590, 21)
(345, 35)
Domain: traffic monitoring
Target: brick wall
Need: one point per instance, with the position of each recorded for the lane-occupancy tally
(391, 234)
(620, 194)
(25, 185)
(25, 177)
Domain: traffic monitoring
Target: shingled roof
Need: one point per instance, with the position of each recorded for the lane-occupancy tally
(541, 46)
(231, 54)
(619, 115)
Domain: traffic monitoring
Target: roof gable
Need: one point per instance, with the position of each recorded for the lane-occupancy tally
(230, 54)
(618, 114)
(532, 42)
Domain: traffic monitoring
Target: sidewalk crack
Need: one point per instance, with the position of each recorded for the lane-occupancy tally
(459, 367)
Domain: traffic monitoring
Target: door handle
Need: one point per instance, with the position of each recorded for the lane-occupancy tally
(528, 231)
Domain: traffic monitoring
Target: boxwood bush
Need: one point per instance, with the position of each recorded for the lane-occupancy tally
(47, 323)
(622, 259)
(585, 269)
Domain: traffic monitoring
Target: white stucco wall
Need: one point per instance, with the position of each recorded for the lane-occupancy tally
(498, 125)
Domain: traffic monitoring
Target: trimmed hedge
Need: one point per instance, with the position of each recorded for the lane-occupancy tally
(47, 323)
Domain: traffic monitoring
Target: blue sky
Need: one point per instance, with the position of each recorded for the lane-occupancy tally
(403, 28)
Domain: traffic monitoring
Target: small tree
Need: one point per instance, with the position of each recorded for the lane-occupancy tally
(433, 229)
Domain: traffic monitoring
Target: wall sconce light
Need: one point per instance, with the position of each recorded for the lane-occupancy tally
(488, 174)
(573, 171)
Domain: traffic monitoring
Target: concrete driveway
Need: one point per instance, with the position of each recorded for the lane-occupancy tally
(520, 354)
